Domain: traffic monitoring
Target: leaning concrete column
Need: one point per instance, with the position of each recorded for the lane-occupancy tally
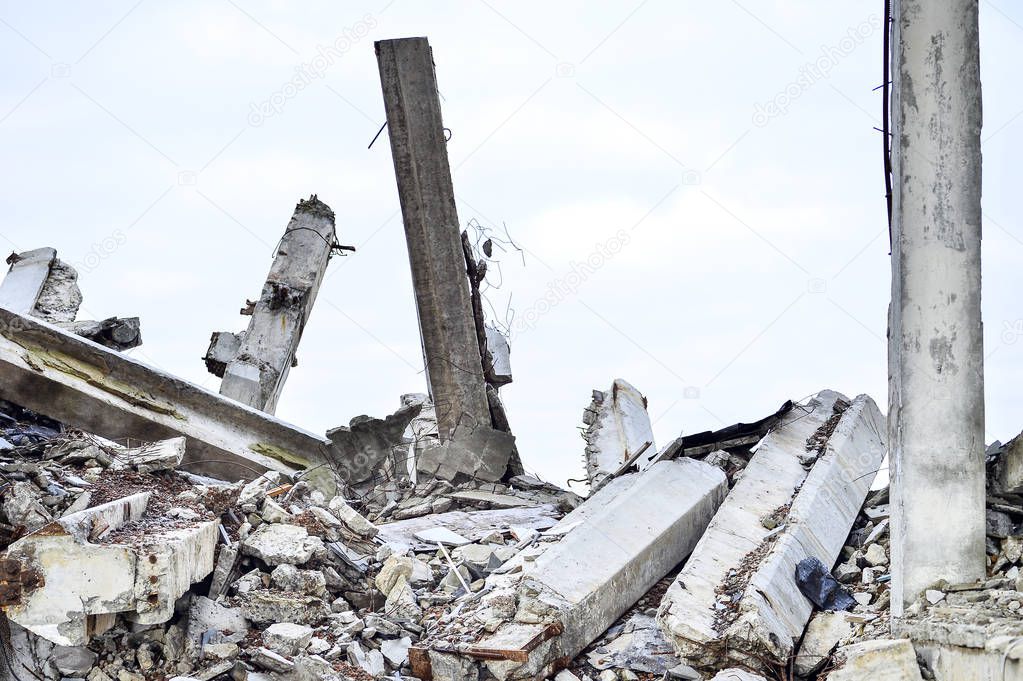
(450, 347)
(936, 389)
(265, 353)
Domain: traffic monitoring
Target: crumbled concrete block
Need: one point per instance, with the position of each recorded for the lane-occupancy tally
(370, 446)
(22, 508)
(472, 452)
(352, 519)
(394, 569)
(618, 426)
(401, 602)
(285, 638)
(395, 650)
(157, 456)
(282, 544)
(73, 660)
(213, 621)
(268, 659)
(500, 357)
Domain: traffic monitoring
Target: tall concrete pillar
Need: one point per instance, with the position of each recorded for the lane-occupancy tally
(450, 347)
(935, 352)
(255, 363)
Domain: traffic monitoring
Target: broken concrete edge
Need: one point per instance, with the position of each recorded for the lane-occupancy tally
(266, 353)
(618, 433)
(62, 563)
(88, 386)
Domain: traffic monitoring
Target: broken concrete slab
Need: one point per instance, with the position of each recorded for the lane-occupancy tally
(472, 525)
(65, 564)
(266, 353)
(87, 386)
(824, 632)
(371, 449)
(277, 544)
(736, 593)
(20, 289)
(883, 660)
(617, 430)
(156, 456)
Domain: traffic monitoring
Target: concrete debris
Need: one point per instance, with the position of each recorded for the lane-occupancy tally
(255, 375)
(370, 449)
(891, 660)
(618, 433)
(500, 357)
(116, 333)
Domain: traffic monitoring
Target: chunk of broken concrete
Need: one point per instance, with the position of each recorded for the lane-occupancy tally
(473, 452)
(282, 544)
(881, 660)
(286, 638)
(825, 631)
(265, 607)
(61, 565)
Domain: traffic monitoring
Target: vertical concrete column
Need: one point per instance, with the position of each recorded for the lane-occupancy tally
(266, 351)
(450, 347)
(935, 353)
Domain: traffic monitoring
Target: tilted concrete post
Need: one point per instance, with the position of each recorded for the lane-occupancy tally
(450, 347)
(266, 350)
(936, 385)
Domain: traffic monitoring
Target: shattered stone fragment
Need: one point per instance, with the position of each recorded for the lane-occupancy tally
(285, 638)
(263, 606)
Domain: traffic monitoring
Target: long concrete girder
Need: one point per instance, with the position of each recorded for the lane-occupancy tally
(88, 386)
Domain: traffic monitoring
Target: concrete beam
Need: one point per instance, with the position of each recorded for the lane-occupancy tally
(935, 351)
(98, 390)
(59, 579)
(450, 346)
(266, 352)
(739, 556)
(573, 591)
(20, 289)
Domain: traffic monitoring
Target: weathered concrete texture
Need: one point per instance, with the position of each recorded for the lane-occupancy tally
(157, 456)
(617, 428)
(450, 346)
(824, 632)
(882, 660)
(473, 525)
(1000, 660)
(935, 355)
(60, 296)
(115, 333)
(267, 349)
(602, 567)
(20, 289)
(371, 449)
(740, 556)
(77, 578)
(103, 392)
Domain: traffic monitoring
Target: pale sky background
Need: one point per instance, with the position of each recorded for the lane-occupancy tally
(754, 264)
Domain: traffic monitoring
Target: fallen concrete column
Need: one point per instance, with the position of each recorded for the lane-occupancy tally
(87, 386)
(936, 346)
(570, 593)
(266, 350)
(618, 432)
(736, 598)
(20, 289)
(58, 580)
(450, 346)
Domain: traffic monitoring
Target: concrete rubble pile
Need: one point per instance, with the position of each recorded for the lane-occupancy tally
(153, 529)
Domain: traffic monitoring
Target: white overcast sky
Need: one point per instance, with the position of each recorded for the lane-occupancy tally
(752, 258)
